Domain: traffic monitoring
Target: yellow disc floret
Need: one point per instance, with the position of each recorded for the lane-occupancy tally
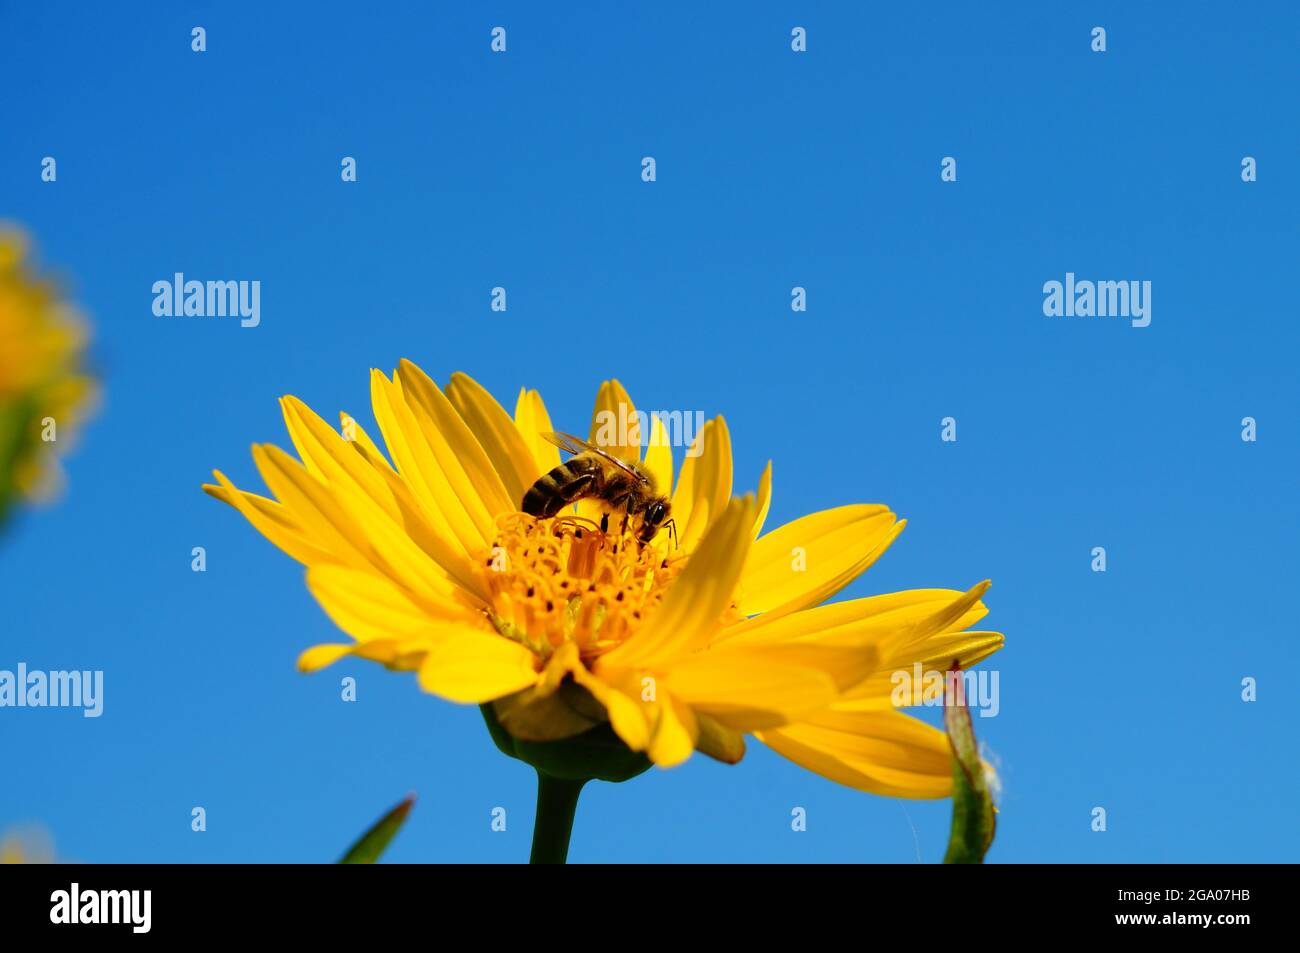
(562, 580)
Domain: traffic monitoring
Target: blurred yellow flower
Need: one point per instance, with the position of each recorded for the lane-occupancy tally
(26, 846)
(689, 642)
(44, 394)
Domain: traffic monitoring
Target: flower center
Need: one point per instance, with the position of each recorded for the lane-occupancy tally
(561, 580)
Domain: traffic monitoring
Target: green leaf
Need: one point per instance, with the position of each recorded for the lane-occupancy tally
(373, 842)
(973, 820)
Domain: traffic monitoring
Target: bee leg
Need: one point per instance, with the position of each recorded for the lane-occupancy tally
(578, 522)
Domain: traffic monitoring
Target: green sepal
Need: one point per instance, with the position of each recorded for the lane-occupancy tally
(595, 755)
(973, 817)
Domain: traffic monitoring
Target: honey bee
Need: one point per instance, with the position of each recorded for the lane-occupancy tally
(592, 473)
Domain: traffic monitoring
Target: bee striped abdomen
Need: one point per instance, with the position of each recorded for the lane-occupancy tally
(562, 486)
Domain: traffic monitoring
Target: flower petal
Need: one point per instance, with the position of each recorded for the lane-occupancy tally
(805, 562)
(319, 656)
(934, 655)
(533, 420)
(872, 617)
(764, 499)
(439, 489)
(370, 606)
(458, 450)
(418, 523)
(718, 741)
(964, 610)
(269, 518)
(704, 486)
(626, 716)
(696, 599)
(369, 496)
(762, 686)
(616, 430)
(902, 628)
(313, 506)
(473, 666)
(403, 655)
(355, 434)
(615, 427)
(659, 457)
(674, 735)
(884, 753)
(497, 434)
(329, 457)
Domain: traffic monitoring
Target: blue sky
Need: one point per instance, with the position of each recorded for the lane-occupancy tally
(775, 169)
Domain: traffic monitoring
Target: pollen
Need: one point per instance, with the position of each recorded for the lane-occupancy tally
(552, 581)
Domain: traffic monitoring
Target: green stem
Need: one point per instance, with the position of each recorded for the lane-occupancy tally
(557, 801)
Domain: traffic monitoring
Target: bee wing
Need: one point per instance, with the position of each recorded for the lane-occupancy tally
(576, 445)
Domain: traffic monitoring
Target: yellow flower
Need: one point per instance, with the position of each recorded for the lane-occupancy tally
(43, 392)
(686, 643)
